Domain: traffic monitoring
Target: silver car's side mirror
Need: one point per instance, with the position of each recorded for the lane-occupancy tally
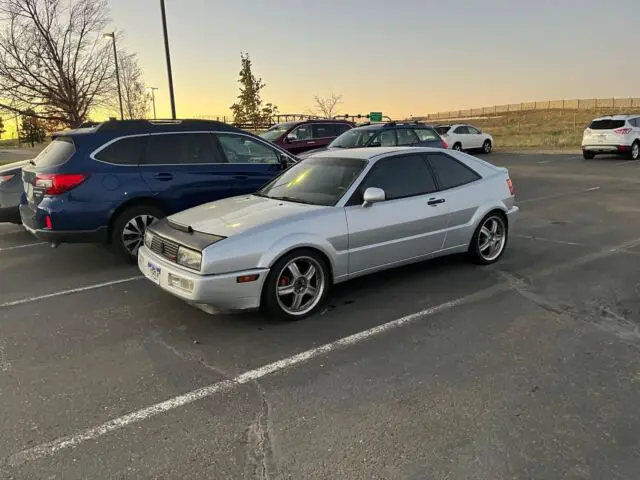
(373, 195)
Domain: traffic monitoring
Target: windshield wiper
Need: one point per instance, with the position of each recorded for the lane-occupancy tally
(291, 199)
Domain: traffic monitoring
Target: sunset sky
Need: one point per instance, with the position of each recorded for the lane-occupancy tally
(403, 58)
(400, 57)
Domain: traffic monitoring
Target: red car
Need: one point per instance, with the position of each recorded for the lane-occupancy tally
(300, 136)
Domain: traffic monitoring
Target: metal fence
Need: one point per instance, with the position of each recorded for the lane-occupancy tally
(576, 104)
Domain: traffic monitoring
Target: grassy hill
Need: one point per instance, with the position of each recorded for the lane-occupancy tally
(538, 128)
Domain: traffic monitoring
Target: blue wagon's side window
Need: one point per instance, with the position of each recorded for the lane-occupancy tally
(244, 149)
(125, 151)
(181, 149)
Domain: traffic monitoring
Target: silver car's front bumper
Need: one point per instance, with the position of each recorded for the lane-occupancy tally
(222, 292)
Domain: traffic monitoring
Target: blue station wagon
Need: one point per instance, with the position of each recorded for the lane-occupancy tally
(107, 183)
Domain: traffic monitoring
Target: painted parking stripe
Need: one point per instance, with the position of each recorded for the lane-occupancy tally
(558, 195)
(559, 159)
(92, 433)
(22, 301)
(16, 247)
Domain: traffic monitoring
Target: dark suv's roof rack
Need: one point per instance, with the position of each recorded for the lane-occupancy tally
(160, 124)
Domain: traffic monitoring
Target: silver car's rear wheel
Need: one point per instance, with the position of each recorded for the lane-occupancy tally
(301, 284)
(489, 240)
(297, 285)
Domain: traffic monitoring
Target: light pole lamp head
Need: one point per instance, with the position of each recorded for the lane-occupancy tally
(110, 35)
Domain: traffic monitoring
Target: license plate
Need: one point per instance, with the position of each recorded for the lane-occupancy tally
(602, 138)
(28, 189)
(153, 272)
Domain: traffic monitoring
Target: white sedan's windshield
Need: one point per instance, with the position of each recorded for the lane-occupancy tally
(317, 181)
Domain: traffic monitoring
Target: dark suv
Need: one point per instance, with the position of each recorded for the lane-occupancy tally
(385, 135)
(298, 137)
(108, 182)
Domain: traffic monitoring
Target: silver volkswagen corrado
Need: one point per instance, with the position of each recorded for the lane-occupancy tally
(332, 217)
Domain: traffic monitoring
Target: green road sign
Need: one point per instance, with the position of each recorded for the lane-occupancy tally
(375, 116)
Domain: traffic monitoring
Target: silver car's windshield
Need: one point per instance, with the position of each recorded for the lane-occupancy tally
(357, 137)
(275, 132)
(316, 181)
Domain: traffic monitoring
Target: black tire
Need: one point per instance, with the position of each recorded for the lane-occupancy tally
(486, 147)
(588, 155)
(118, 244)
(457, 146)
(270, 303)
(474, 253)
(634, 153)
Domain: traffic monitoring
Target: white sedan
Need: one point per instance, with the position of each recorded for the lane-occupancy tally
(465, 137)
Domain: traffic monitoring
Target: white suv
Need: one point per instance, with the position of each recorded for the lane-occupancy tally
(619, 134)
(465, 137)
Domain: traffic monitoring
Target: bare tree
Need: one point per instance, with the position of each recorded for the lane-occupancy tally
(327, 106)
(135, 98)
(53, 59)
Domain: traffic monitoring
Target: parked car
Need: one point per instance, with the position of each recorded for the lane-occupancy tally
(298, 137)
(107, 183)
(385, 135)
(330, 218)
(617, 134)
(10, 191)
(466, 137)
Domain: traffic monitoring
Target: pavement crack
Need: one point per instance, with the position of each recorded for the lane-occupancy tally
(617, 324)
(260, 463)
(525, 289)
(190, 357)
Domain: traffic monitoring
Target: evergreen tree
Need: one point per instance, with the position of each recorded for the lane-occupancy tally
(249, 109)
(32, 128)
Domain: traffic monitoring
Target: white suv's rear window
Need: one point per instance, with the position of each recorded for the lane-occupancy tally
(607, 124)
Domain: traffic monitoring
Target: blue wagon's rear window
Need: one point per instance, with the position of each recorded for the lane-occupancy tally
(56, 153)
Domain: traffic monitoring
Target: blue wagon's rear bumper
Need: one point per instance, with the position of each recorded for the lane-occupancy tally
(28, 217)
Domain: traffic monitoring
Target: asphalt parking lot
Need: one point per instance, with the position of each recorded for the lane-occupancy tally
(528, 369)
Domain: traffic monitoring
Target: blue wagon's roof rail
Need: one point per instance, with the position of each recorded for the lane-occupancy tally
(157, 125)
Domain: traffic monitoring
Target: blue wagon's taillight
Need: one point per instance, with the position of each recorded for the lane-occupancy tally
(58, 183)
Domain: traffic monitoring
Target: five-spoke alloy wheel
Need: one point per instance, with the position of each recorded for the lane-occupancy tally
(489, 240)
(297, 285)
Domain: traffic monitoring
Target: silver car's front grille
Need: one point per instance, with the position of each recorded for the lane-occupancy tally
(165, 248)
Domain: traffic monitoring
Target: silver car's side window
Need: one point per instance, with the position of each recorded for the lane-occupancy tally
(449, 172)
(400, 177)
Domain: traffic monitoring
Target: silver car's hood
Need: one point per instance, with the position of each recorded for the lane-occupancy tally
(235, 215)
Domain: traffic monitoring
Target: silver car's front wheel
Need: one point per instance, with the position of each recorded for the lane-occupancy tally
(489, 240)
(296, 286)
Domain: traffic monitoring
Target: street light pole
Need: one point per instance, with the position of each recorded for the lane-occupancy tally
(153, 99)
(166, 51)
(115, 56)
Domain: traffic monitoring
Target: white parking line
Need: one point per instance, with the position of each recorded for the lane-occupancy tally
(533, 237)
(559, 159)
(70, 441)
(627, 163)
(558, 195)
(50, 448)
(6, 249)
(22, 301)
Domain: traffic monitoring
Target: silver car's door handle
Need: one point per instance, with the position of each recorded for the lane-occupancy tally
(435, 201)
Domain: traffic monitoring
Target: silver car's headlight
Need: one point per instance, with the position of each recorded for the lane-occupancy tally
(148, 238)
(189, 258)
